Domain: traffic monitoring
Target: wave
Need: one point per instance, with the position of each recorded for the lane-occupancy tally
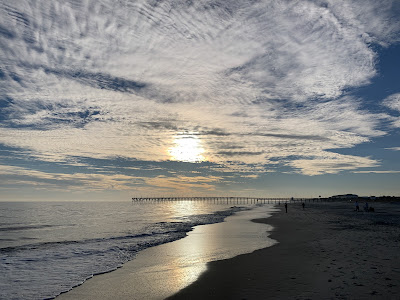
(47, 269)
(26, 227)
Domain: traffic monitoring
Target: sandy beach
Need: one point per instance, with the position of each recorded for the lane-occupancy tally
(327, 251)
(161, 271)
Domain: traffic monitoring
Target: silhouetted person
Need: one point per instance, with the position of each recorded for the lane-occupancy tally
(286, 207)
(357, 207)
(303, 204)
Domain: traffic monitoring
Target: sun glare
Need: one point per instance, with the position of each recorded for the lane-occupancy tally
(187, 148)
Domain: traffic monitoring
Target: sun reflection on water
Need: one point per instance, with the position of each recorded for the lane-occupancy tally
(187, 148)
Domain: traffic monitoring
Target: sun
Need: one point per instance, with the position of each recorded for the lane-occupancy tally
(187, 148)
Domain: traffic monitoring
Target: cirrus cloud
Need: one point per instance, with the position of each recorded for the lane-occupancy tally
(261, 84)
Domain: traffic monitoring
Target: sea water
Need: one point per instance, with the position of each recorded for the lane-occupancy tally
(47, 248)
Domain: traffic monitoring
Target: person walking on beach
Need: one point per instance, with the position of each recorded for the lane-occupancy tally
(357, 207)
(303, 204)
(286, 207)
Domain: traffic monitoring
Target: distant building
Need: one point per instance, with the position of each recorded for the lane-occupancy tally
(347, 196)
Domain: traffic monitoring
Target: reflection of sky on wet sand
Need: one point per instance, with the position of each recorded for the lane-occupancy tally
(183, 261)
(161, 271)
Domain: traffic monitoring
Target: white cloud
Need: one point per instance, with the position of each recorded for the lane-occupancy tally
(278, 49)
(13, 175)
(18, 176)
(393, 102)
(332, 163)
(184, 184)
(258, 81)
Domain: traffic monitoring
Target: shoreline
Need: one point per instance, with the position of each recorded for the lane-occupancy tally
(327, 251)
(161, 271)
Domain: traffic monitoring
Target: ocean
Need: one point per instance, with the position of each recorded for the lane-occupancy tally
(47, 248)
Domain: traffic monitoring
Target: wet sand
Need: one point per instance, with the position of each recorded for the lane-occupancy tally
(327, 251)
(161, 271)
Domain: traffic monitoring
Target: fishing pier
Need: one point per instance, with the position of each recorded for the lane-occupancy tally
(227, 200)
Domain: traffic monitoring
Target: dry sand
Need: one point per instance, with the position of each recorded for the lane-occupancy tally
(327, 251)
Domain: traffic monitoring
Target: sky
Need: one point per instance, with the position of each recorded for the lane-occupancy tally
(113, 99)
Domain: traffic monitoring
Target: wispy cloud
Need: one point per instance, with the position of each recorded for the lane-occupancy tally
(17, 176)
(184, 184)
(393, 102)
(260, 83)
(83, 182)
(332, 163)
(378, 172)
